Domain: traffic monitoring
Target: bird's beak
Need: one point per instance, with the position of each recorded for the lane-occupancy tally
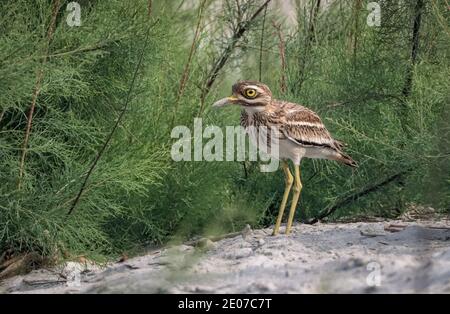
(225, 101)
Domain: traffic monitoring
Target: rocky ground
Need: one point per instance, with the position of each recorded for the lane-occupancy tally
(377, 257)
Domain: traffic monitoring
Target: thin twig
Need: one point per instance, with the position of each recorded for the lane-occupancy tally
(353, 36)
(244, 233)
(37, 90)
(149, 8)
(261, 44)
(78, 50)
(110, 135)
(302, 61)
(2, 114)
(351, 198)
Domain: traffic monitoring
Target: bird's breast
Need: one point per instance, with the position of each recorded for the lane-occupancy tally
(264, 132)
(259, 131)
(251, 120)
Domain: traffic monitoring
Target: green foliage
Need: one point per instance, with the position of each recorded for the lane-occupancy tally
(85, 80)
(137, 195)
(358, 93)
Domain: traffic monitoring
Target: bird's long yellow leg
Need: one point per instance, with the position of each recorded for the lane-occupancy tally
(296, 195)
(288, 184)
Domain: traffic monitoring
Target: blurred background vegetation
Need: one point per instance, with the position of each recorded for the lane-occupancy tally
(382, 90)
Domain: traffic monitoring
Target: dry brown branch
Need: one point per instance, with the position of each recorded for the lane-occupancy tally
(313, 21)
(226, 53)
(282, 49)
(78, 50)
(37, 89)
(2, 114)
(185, 75)
(149, 8)
(353, 197)
(115, 126)
(261, 44)
(395, 227)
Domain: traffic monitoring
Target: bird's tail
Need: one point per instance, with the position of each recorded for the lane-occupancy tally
(342, 157)
(347, 160)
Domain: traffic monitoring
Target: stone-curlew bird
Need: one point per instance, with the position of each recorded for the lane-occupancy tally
(299, 132)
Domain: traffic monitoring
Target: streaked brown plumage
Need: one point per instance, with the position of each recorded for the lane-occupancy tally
(299, 125)
(298, 133)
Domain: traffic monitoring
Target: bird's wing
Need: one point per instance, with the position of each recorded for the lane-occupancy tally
(304, 127)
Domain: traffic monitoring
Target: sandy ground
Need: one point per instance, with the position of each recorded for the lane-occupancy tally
(324, 258)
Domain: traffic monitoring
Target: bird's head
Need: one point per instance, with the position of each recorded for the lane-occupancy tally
(250, 95)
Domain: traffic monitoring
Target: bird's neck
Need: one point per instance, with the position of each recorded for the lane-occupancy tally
(268, 108)
(251, 110)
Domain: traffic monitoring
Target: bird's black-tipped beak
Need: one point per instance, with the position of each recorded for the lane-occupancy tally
(226, 101)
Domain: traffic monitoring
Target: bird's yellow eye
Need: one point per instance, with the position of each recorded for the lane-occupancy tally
(250, 93)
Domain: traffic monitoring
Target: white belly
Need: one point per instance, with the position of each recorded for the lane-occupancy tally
(277, 148)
